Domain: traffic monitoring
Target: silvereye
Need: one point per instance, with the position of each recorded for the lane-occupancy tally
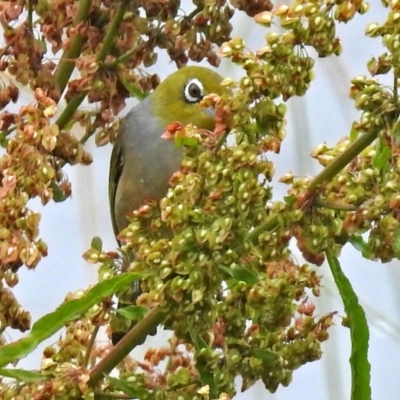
(141, 161)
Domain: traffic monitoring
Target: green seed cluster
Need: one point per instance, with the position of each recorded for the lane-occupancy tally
(220, 286)
(389, 31)
(363, 197)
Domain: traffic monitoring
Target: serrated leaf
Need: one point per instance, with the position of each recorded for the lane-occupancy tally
(361, 245)
(66, 312)
(134, 313)
(126, 388)
(23, 375)
(359, 332)
(96, 244)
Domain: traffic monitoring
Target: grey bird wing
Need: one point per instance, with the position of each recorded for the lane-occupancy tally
(116, 165)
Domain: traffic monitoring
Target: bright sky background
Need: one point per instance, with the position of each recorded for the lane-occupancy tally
(324, 114)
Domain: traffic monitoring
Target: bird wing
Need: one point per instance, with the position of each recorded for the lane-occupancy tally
(116, 165)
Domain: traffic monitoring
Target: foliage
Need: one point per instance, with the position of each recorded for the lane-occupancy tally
(214, 252)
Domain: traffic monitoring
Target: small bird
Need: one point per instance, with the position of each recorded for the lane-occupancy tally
(142, 161)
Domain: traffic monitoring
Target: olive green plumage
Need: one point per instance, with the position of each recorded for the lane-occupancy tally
(141, 161)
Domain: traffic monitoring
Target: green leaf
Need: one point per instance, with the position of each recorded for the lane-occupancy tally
(206, 378)
(134, 313)
(291, 199)
(242, 274)
(133, 89)
(265, 355)
(96, 244)
(382, 157)
(187, 141)
(361, 245)
(23, 375)
(396, 132)
(66, 312)
(353, 133)
(359, 332)
(126, 388)
(396, 242)
(4, 142)
(58, 195)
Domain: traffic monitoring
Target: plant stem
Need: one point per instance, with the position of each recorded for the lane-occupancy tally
(331, 170)
(194, 12)
(67, 61)
(271, 224)
(90, 346)
(114, 63)
(326, 174)
(68, 112)
(74, 103)
(335, 206)
(112, 31)
(30, 16)
(111, 395)
(135, 336)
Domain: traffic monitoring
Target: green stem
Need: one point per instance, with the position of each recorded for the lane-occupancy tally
(326, 174)
(119, 60)
(112, 31)
(73, 104)
(359, 332)
(335, 206)
(195, 12)
(4, 134)
(331, 170)
(67, 61)
(101, 395)
(88, 134)
(90, 346)
(271, 224)
(30, 16)
(134, 337)
(69, 111)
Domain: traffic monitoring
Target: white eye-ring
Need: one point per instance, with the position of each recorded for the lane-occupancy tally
(194, 91)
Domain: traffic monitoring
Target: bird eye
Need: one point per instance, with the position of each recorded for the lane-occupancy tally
(194, 91)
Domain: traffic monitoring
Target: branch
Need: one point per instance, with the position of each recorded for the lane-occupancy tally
(114, 63)
(134, 337)
(74, 103)
(331, 170)
(326, 174)
(69, 111)
(112, 31)
(30, 16)
(90, 346)
(67, 61)
(197, 10)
